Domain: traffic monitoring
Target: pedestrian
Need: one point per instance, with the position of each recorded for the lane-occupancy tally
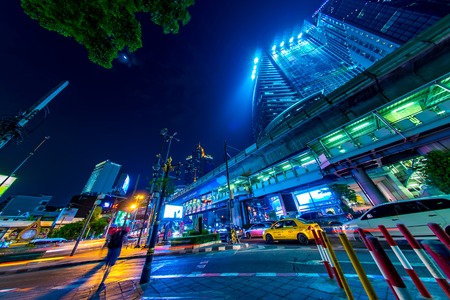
(115, 243)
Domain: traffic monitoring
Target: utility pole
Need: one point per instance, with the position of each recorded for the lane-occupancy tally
(88, 219)
(230, 192)
(146, 271)
(29, 155)
(15, 127)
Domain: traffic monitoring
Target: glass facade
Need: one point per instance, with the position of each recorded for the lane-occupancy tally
(320, 200)
(349, 36)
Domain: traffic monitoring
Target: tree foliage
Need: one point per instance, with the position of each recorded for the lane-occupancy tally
(343, 192)
(436, 170)
(106, 27)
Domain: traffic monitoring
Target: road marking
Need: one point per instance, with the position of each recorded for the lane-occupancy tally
(325, 275)
(319, 262)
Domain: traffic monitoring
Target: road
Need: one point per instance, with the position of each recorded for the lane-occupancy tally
(260, 258)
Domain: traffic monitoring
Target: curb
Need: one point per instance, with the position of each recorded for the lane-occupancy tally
(76, 263)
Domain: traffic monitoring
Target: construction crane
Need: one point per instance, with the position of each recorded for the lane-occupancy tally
(13, 127)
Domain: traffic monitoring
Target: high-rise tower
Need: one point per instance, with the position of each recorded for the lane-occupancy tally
(102, 178)
(348, 37)
(197, 165)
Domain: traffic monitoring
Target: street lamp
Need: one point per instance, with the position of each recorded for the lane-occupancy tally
(167, 168)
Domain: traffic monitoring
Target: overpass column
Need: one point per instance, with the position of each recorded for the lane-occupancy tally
(366, 183)
(237, 212)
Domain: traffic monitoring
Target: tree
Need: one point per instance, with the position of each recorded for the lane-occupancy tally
(106, 27)
(436, 170)
(69, 231)
(343, 192)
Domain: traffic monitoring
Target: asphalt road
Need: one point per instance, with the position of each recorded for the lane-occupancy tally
(259, 258)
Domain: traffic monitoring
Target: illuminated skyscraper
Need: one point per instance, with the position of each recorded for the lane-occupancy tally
(197, 165)
(102, 178)
(347, 37)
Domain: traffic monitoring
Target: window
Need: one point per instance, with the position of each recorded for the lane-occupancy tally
(380, 212)
(289, 223)
(403, 208)
(435, 204)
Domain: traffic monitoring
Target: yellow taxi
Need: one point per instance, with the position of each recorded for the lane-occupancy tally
(291, 229)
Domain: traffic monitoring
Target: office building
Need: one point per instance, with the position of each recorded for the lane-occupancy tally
(346, 38)
(197, 164)
(24, 206)
(102, 179)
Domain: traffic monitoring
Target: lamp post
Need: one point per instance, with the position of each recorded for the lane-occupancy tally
(147, 269)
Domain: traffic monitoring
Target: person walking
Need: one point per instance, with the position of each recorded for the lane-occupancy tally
(115, 243)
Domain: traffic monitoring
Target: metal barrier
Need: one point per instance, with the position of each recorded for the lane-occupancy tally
(358, 267)
(430, 264)
(440, 233)
(323, 255)
(405, 263)
(339, 274)
(438, 251)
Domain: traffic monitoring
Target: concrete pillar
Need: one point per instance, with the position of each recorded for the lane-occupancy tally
(369, 188)
(237, 213)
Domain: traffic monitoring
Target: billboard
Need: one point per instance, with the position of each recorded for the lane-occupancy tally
(173, 212)
(5, 185)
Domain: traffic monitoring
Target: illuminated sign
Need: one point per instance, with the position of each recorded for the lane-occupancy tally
(6, 184)
(173, 211)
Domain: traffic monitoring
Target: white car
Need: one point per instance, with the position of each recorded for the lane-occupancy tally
(413, 213)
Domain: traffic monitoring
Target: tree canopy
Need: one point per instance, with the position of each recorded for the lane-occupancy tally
(436, 169)
(106, 27)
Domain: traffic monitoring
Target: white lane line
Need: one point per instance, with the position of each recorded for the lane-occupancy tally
(324, 275)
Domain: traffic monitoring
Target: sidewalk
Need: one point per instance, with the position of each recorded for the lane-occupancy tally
(219, 285)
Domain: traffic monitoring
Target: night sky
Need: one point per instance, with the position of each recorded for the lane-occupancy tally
(196, 83)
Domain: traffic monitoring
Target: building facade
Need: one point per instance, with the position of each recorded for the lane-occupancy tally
(22, 205)
(197, 164)
(102, 179)
(347, 37)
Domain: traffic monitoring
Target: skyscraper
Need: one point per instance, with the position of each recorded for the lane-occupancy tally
(197, 165)
(347, 37)
(102, 178)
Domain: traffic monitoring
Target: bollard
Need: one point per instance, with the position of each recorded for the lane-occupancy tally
(327, 253)
(358, 267)
(339, 273)
(322, 254)
(440, 233)
(431, 266)
(399, 287)
(405, 263)
(369, 247)
(439, 253)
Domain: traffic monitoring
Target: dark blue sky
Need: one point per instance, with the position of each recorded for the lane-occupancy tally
(196, 83)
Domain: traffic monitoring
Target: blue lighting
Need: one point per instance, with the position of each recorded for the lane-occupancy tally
(256, 60)
(291, 40)
(106, 204)
(300, 35)
(274, 47)
(254, 67)
(253, 76)
(282, 44)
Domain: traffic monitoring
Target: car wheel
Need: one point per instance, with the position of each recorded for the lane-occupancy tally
(302, 239)
(269, 239)
(249, 236)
